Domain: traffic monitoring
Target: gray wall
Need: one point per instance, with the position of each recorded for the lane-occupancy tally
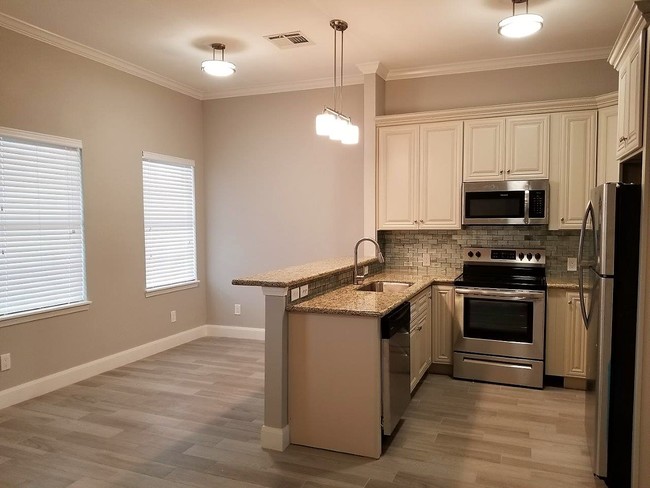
(535, 83)
(116, 116)
(276, 193)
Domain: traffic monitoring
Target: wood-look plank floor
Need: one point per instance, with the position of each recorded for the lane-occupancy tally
(191, 417)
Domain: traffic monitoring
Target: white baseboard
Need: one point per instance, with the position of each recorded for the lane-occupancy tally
(276, 439)
(235, 332)
(40, 386)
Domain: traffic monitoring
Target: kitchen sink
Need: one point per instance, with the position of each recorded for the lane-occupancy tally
(389, 286)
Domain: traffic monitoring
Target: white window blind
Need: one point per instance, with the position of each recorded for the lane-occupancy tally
(169, 221)
(41, 225)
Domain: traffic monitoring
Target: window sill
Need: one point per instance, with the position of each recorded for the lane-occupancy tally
(43, 313)
(171, 289)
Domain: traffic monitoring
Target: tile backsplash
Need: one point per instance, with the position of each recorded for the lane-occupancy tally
(405, 250)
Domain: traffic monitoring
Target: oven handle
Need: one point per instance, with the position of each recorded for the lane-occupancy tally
(510, 295)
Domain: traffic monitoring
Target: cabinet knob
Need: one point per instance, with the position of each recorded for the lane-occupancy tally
(622, 139)
(508, 171)
(562, 219)
(415, 221)
(421, 221)
(501, 172)
(420, 328)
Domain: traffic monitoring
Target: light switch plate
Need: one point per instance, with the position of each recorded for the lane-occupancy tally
(237, 308)
(304, 291)
(172, 316)
(426, 260)
(365, 270)
(295, 293)
(572, 264)
(5, 362)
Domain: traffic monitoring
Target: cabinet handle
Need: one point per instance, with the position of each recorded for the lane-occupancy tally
(420, 328)
(622, 139)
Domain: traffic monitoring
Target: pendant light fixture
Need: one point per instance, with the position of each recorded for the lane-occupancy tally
(218, 67)
(520, 25)
(332, 122)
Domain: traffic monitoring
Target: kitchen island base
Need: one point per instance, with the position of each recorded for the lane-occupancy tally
(334, 374)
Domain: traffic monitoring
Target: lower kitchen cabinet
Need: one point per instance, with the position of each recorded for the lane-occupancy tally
(566, 335)
(420, 336)
(442, 315)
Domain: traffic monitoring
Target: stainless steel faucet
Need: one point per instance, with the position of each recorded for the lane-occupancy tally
(357, 278)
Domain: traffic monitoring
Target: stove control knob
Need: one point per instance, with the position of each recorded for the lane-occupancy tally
(529, 256)
(470, 254)
(521, 256)
(538, 256)
(478, 254)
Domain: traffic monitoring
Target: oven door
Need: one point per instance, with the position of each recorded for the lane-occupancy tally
(501, 322)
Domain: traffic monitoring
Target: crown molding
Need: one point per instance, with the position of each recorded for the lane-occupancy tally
(281, 87)
(373, 67)
(499, 63)
(632, 27)
(74, 47)
(526, 108)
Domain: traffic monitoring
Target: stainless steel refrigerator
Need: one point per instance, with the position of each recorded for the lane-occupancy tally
(608, 258)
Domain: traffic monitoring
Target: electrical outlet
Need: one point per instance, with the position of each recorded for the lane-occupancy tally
(304, 291)
(572, 264)
(5, 362)
(426, 260)
(295, 293)
(237, 309)
(172, 316)
(365, 271)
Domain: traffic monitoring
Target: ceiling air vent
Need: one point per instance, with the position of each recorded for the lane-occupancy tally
(289, 39)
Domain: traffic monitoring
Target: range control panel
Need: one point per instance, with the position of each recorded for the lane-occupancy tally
(504, 256)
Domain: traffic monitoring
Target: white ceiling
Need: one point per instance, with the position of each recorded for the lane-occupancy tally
(166, 40)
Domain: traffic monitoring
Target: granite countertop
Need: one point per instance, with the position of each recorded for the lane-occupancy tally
(348, 301)
(295, 275)
(563, 282)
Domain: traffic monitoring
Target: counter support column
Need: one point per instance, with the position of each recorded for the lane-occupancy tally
(275, 431)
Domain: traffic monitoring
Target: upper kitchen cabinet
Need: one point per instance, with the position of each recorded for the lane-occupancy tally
(511, 148)
(397, 175)
(607, 163)
(573, 167)
(628, 59)
(419, 176)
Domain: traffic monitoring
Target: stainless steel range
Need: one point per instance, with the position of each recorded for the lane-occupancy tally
(500, 316)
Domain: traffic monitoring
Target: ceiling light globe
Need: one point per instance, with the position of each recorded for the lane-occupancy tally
(216, 67)
(351, 135)
(521, 25)
(324, 124)
(338, 129)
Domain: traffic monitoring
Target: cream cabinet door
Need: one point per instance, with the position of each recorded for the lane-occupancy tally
(440, 175)
(420, 336)
(527, 147)
(576, 339)
(607, 164)
(556, 314)
(630, 99)
(573, 167)
(397, 174)
(483, 147)
(442, 313)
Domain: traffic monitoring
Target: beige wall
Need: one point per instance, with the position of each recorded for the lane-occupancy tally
(548, 82)
(116, 116)
(276, 194)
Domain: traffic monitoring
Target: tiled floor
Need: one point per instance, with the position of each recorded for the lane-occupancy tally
(191, 417)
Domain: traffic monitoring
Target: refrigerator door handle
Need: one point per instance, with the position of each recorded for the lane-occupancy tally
(581, 267)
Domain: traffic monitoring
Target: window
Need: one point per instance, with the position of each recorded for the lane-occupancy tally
(169, 222)
(41, 223)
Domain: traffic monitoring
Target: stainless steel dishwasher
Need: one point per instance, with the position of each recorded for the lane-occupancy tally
(395, 366)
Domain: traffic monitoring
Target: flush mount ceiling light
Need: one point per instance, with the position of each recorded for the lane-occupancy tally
(520, 25)
(218, 67)
(332, 122)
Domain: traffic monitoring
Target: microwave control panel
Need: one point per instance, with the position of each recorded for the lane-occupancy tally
(537, 204)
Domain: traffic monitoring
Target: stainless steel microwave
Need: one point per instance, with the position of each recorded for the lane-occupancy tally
(505, 202)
